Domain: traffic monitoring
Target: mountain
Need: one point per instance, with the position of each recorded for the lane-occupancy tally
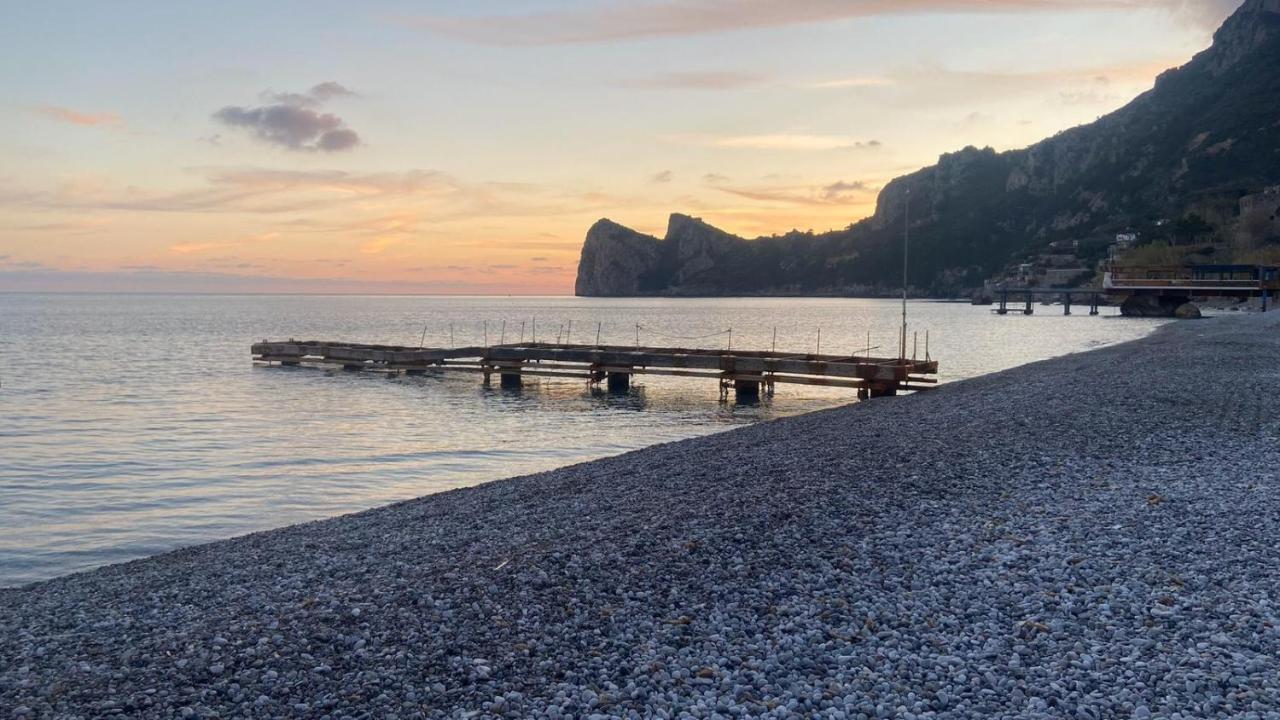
(1206, 136)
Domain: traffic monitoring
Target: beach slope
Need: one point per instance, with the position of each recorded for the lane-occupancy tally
(1092, 536)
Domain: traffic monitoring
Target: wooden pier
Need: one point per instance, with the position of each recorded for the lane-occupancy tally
(1028, 294)
(747, 373)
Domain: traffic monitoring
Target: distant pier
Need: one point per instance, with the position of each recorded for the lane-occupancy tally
(1026, 295)
(746, 373)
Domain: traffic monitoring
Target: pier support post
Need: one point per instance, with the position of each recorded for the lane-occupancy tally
(1028, 309)
(879, 391)
(1093, 304)
(1004, 303)
(511, 380)
(289, 363)
(618, 382)
(746, 390)
(1066, 303)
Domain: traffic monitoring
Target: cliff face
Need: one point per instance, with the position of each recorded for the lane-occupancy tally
(613, 260)
(1205, 136)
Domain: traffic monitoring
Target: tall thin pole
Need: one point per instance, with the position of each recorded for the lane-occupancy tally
(906, 241)
(486, 333)
(598, 334)
(502, 339)
(424, 338)
(451, 343)
(818, 351)
(774, 348)
(567, 332)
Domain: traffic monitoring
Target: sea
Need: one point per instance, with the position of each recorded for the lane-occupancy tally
(135, 424)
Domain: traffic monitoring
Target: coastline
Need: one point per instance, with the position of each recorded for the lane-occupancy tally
(1084, 515)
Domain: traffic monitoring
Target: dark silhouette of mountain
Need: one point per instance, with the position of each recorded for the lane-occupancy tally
(1207, 135)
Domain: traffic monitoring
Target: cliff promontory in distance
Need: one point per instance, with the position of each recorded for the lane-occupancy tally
(1206, 136)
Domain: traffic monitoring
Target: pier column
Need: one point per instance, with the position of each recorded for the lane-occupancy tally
(289, 363)
(1004, 303)
(1028, 310)
(510, 380)
(748, 390)
(618, 382)
(879, 391)
(1066, 303)
(1093, 304)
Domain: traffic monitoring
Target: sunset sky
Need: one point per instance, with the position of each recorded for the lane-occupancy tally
(465, 147)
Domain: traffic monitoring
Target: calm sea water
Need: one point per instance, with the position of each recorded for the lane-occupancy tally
(131, 425)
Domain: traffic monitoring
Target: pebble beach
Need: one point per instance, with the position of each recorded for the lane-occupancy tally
(1089, 537)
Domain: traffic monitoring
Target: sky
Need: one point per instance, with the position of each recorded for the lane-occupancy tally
(465, 147)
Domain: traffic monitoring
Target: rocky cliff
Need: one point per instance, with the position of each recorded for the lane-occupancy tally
(1207, 135)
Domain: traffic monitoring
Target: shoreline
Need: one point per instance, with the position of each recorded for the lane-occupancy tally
(867, 547)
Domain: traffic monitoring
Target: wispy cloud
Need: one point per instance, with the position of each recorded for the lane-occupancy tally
(78, 226)
(294, 122)
(77, 117)
(637, 20)
(201, 247)
(841, 190)
(705, 80)
(852, 82)
(933, 86)
(778, 141)
(837, 193)
(380, 245)
(665, 176)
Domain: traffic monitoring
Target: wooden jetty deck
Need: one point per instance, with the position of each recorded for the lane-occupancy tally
(1065, 295)
(748, 373)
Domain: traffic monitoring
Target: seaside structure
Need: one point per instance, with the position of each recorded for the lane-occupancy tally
(746, 372)
(1161, 290)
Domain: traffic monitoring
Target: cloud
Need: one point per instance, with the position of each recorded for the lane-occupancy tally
(840, 190)
(851, 82)
(620, 20)
(76, 117)
(665, 176)
(934, 86)
(708, 80)
(292, 127)
(714, 178)
(294, 122)
(836, 193)
(84, 226)
(779, 141)
(199, 247)
(380, 245)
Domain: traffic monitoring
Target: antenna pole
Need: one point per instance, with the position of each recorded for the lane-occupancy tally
(906, 240)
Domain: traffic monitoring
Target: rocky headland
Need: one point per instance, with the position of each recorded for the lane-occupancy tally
(1202, 146)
